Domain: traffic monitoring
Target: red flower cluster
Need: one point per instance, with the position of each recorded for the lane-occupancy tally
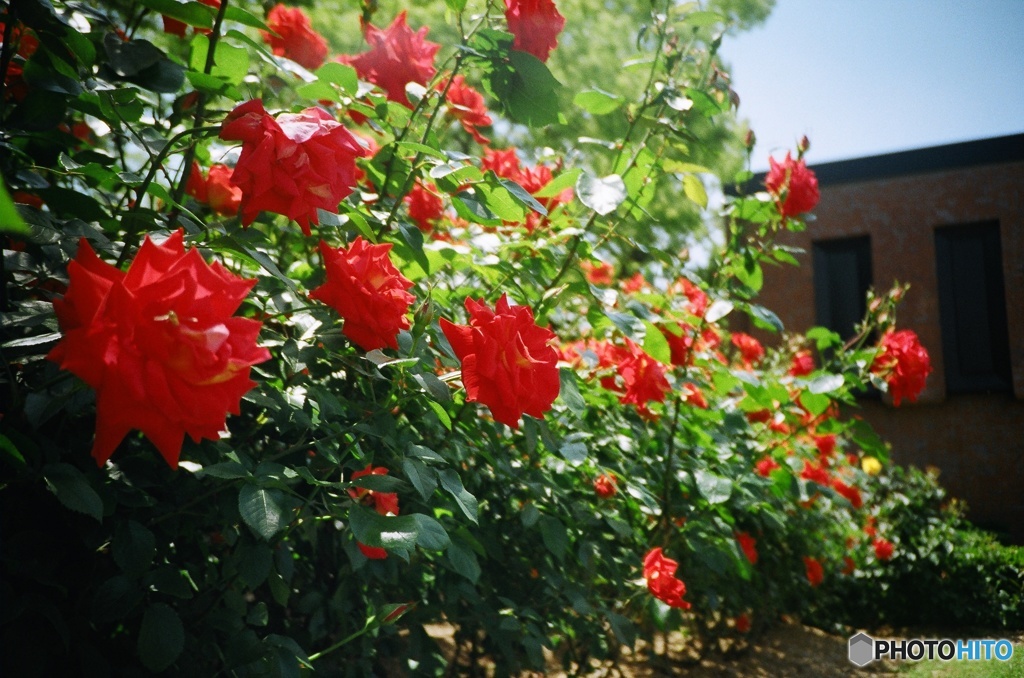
(535, 25)
(693, 395)
(295, 38)
(605, 485)
(802, 365)
(175, 27)
(397, 56)
(506, 165)
(600, 273)
(426, 207)
(159, 344)
(467, 105)
(507, 361)
(851, 493)
(815, 573)
(883, 548)
(765, 466)
(367, 291)
(24, 43)
(659, 572)
(292, 165)
(749, 546)
(644, 377)
(215, 189)
(793, 185)
(384, 503)
(904, 364)
(751, 350)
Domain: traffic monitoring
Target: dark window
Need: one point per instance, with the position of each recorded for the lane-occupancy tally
(972, 307)
(842, 275)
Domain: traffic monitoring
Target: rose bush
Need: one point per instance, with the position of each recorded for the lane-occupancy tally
(629, 413)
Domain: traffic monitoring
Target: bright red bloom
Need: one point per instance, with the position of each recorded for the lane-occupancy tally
(215, 189)
(751, 350)
(680, 345)
(503, 163)
(749, 546)
(605, 485)
(883, 548)
(535, 25)
(634, 283)
(793, 185)
(826, 444)
(802, 365)
(696, 298)
(762, 416)
(367, 291)
(426, 207)
(599, 273)
(644, 377)
(659, 572)
(815, 473)
(815, 573)
(384, 503)
(693, 395)
(175, 27)
(851, 493)
(765, 466)
(904, 364)
(159, 344)
(507, 361)
(397, 56)
(292, 165)
(295, 39)
(467, 105)
(742, 622)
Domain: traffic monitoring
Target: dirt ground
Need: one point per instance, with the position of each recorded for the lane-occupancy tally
(789, 650)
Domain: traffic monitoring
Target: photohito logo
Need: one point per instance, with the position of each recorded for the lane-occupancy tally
(863, 649)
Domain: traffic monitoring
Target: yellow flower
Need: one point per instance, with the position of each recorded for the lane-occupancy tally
(871, 465)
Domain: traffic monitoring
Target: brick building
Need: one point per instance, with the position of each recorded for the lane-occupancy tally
(948, 220)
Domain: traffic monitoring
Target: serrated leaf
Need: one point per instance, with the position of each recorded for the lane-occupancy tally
(452, 483)
(603, 195)
(161, 637)
(265, 510)
(73, 489)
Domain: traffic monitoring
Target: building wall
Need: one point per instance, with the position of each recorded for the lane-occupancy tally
(976, 440)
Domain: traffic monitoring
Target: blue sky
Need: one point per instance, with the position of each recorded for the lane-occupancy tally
(863, 77)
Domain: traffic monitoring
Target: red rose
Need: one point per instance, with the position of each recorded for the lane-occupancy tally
(426, 207)
(696, 298)
(904, 364)
(506, 165)
(826, 444)
(175, 27)
(215, 189)
(535, 25)
(794, 187)
(397, 56)
(367, 291)
(599, 273)
(815, 473)
(295, 39)
(605, 485)
(883, 548)
(693, 395)
(851, 493)
(292, 165)
(751, 350)
(384, 503)
(503, 163)
(765, 466)
(680, 345)
(659, 572)
(644, 377)
(158, 343)
(815, 573)
(748, 545)
(802, 365)
(634, 283)
(507, 362)
(466, 105)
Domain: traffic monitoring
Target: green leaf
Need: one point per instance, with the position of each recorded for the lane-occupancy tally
(456, 6)
(464, 561)
(656, 345)
(716, 489)
(235, 13)
(11, 452)
(452, 483)
(826, 383)
(566, 179)
(161, 637)
(73, 489)
(573, 451)
(265, 510)
(254, 561)
(226, 470)
(694, 190)
(192, 13)
(379, 483)
(399, 533)
(114, 599)
(603, 195)
(598, 102)
(519, 193)
(133, 548)
(529, 515)
(814, 403)
(824, 338)
(527, 90)
(554, 535)
(442, 414)
(718, 310)
(423, 478)
(342, 75)
(764, 318)
(10, 220)
(569, 391)
(499, 200)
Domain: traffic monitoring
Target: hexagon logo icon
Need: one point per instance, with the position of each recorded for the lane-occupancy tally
(862, 649)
